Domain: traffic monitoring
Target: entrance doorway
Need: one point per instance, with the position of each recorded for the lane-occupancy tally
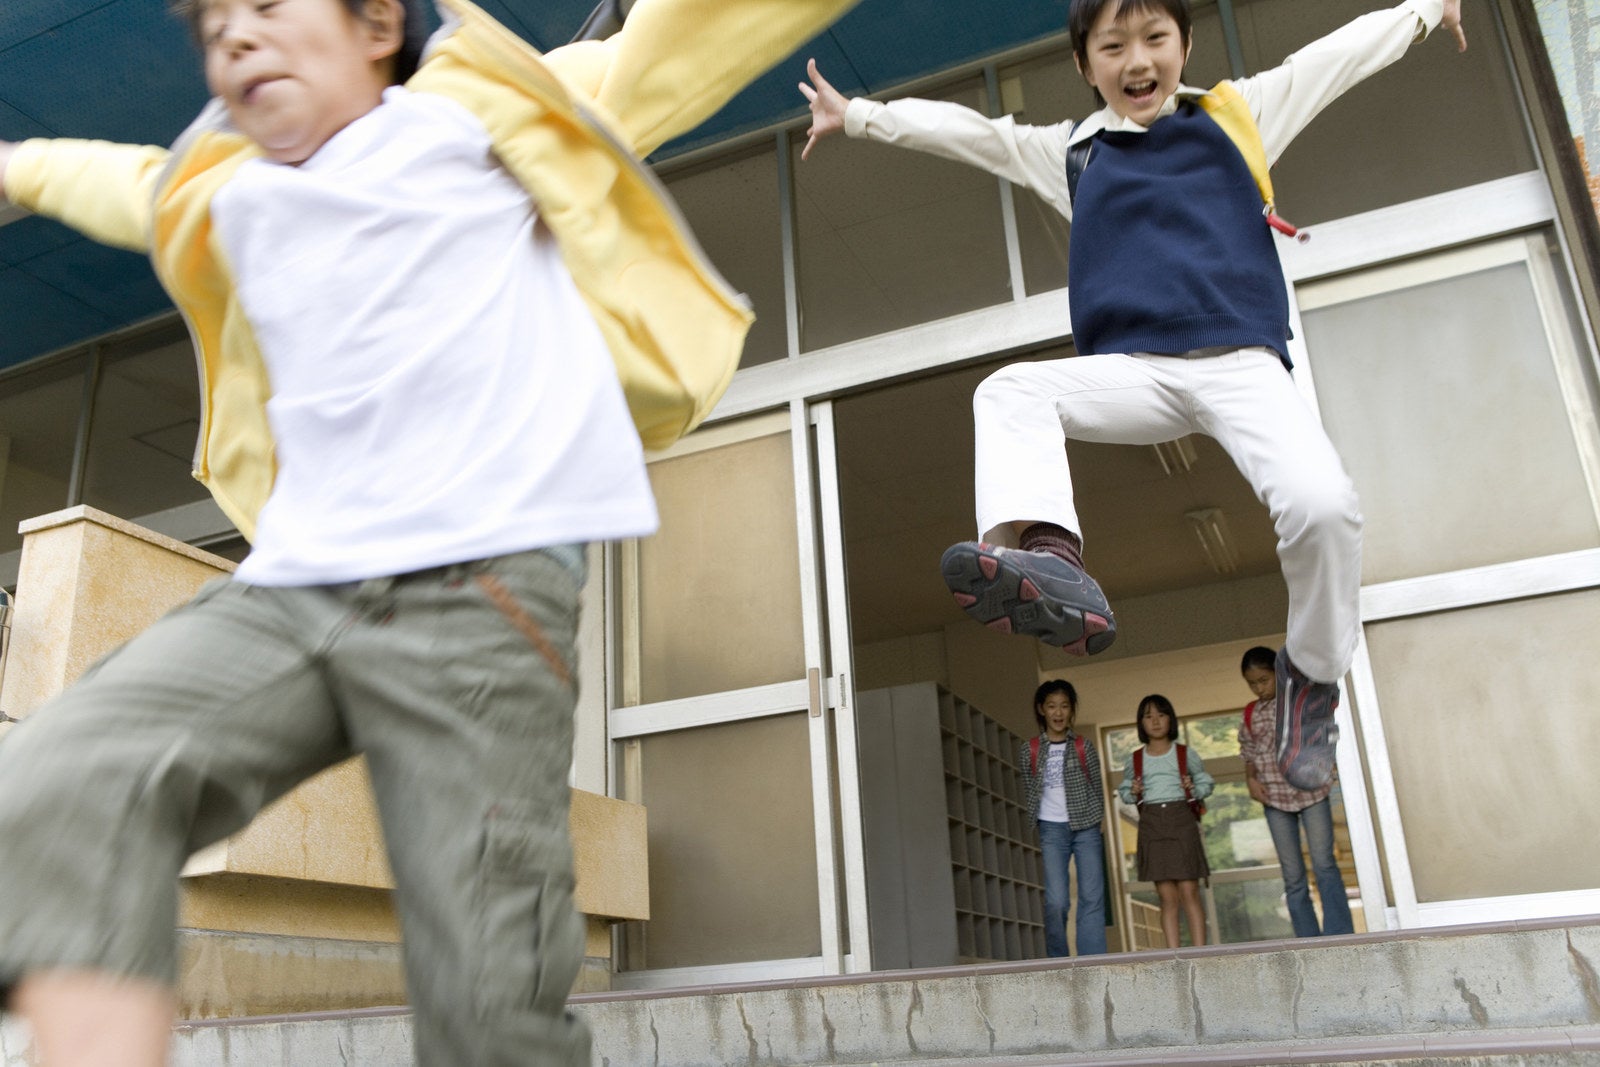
(1186, 554)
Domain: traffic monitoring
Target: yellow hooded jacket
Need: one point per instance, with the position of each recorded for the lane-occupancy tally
(570, 126)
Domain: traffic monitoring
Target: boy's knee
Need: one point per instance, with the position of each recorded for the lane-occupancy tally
(1003, 386)
(1326, 512)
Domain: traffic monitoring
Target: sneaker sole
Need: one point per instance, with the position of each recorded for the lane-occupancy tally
(1001, 597)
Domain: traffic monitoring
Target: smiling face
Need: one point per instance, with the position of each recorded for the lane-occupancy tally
(1058, 714)
(1134, 59)
(293, 73)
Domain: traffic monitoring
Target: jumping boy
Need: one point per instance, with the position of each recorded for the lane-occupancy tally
(1290, 810)
(426, 300)
(1180, 316)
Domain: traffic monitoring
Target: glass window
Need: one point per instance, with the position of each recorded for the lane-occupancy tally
(1214, 737)
(889, 238)
(733, 864)
(1491, 734)
(719, 585)
(39, 411)
(1437, 120)
(732, 206)
(1446, 384)
(146, 421)
(1048, 90)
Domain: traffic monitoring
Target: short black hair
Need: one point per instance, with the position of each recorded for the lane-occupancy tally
(1259, 656)
(1164, 706)
(1081, 19)
(406, 60)
(1054, 685)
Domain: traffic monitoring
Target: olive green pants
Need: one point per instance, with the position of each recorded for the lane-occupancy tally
(458, 685)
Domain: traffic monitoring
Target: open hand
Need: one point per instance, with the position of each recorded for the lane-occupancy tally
(1452, 22)
(827, 107)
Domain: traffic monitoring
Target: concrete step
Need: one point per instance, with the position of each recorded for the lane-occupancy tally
(1279, 1000)
(1521, 994)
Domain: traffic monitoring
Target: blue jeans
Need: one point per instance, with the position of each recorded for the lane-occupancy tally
(1061, 843)
(1318, 823)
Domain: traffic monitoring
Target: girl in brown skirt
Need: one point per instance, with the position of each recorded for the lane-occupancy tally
(1167, 781)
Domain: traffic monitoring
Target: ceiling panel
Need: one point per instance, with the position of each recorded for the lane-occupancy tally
(119, 284)
(24, 19)
(36, 318)
(31, 237)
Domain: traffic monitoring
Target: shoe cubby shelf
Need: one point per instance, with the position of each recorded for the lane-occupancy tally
(953, 866)
(994, 852)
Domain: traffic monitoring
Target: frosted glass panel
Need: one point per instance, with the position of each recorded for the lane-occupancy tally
(1492, 734)
(1444, 402)
(1434, 121)
(733, 862)
(38, 423)
(732, 206)
(890, 237)
(146, 422)
(719, 585)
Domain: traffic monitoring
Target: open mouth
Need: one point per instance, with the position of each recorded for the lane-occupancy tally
(1140, 92)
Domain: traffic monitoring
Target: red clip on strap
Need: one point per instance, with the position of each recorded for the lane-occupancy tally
(1287, 228)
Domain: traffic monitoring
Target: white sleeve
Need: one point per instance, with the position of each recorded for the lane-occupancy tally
(1286, 98)
(1031, 156)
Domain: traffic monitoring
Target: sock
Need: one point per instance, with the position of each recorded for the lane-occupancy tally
(1056, 540)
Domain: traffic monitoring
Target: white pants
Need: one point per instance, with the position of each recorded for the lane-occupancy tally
(1247, 402)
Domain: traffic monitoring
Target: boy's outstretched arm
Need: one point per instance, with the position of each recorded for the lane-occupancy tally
(1031, 156)
(1287, 97)
(828, 106)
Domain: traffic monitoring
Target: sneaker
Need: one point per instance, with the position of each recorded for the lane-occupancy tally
(1306, 730)
(1034, 593)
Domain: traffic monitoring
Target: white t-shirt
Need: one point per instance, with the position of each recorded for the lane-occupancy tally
(1053, 801)
(440, 392)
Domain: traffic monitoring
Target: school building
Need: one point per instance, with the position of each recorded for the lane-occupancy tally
(823, 746)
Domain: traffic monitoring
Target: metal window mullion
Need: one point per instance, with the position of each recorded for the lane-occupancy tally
(1385, 797)
(1008, 197)
(816, 670)
(790, 249)
(81, 441)
(851, 818)
(1230, 36)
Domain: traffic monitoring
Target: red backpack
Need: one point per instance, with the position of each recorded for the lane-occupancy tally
(1196, 806)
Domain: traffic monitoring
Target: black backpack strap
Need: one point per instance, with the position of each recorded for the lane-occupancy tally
(1077, 160)
(605, 20)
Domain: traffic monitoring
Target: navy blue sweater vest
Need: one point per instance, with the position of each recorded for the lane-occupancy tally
(1169, 249)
